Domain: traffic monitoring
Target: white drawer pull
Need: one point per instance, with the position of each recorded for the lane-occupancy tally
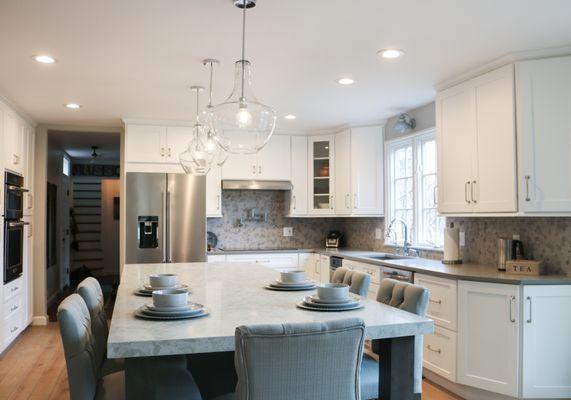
(435, 301)
(434, 350)
(14, 289)
(13, 308)
(14, 329)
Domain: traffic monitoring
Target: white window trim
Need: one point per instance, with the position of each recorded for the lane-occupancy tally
(68, 158)
(390, 145)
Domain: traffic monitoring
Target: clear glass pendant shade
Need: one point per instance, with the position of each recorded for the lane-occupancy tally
(198, 157)
(212, 144)
(242, 124)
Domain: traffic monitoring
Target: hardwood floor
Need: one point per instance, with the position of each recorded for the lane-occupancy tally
(34, 368)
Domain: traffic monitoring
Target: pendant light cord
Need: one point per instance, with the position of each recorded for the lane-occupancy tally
(210, 91)
(243, 44)
(197, 105)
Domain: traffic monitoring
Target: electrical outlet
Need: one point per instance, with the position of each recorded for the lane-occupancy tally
(515, 236)
(288, 231)
(378, 234)
(462, 238)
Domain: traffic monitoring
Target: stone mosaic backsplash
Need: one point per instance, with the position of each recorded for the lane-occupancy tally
(547, 239)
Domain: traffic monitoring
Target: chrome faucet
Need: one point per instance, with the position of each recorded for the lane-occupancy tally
(406, 249)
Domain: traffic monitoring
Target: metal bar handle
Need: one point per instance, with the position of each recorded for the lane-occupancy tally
(356, 200)
(331, 201)
(512, 299)
(435, 301)
(472, 191)
(17, 188)
(466, 192)
(294, 202)
(434, 350)
(527, 178)
(529, 319)
(16, 224)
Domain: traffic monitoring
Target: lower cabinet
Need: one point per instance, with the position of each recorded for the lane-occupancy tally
(489, 336)
(440, 353)
(324, 269)
(279, 261)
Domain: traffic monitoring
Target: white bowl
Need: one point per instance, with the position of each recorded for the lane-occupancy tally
(162, 280)
(292, 276)
(333, 291)
(170, 298)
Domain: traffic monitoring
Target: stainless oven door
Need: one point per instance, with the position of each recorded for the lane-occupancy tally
(13, 249)
(13, 201)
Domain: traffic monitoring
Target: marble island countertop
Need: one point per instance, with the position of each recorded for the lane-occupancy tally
(468, 271)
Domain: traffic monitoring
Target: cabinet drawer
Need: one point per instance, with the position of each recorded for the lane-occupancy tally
(13, 288)
(273, 260)
(13, 306)
(440, 353)
(217, 258)
(443, 300)
(12, 326)
(373, 270)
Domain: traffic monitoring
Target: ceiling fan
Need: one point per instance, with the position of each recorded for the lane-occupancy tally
(94, 154)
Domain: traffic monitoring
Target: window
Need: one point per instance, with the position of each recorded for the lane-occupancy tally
(66, 166)
(411, 191)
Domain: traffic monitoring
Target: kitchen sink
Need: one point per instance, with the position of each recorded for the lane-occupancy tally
(386, 256)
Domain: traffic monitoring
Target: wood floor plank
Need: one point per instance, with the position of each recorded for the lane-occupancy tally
(34, 369)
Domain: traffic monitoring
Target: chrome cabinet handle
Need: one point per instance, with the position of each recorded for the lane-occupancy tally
(435, 301)
(259, 169)
(466, 192)
(429, 347)
(294, 202)
(331, 202)
(472, 191)
(16, 224)
(356, 201)
(527, 178)
(254, 169)
(512, 300)
(529, 319)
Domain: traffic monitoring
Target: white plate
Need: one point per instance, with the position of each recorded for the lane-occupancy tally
(143, 293)
(146, 311)
(151, 288)
(139, 314)
(189, 307)
(290, 289)
(292, 284)
(313, 308)
(307, 300)
(315, 299)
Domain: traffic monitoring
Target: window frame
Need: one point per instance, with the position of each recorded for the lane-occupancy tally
(63, 169)
(415, 141)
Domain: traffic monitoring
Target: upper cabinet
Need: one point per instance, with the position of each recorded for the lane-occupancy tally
(272, 162)
(145, 144)
(477, 145)
(544, 135)
(297, 201)
(214, 192)
(342, 195)
(367, 170)
(321, 163)
(14, 133)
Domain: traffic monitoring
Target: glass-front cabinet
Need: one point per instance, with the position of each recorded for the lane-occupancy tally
(321, 172)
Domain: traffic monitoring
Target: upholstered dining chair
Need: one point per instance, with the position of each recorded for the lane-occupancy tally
(309, 361)
(90, 290)
(358, 281)
(407, 297)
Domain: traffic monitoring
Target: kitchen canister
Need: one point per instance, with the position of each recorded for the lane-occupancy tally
(451, 245)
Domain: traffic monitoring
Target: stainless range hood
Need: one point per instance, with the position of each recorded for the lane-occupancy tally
(239, 184)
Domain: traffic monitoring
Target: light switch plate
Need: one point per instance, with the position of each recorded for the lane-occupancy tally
(462, 238)
(288, 231)
(516, 236)
(378, 234)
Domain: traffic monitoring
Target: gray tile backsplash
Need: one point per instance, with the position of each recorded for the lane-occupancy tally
(544, 238)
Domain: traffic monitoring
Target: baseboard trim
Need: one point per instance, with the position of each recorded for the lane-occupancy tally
(463, 391)
(40, 320)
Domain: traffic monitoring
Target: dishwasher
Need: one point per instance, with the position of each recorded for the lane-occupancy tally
(397, 274)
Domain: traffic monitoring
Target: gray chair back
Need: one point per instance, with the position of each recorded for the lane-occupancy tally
(358, 281)
(311, 361)
(78, 346)
(90, 291)
(411, 298)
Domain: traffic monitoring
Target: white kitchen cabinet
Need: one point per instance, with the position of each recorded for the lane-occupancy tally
(324, 268)
(476, 145)
(216, 258)
(343, 196)
(367, 170)
(489, 336)
(214, 192)
(546, 345)
(321, 167)
(29, 150)
(145, 143)
(442, 306)
(279, 261)
(297, 199)
(177, 140)
(440, 353)
(544, 134)
(272, 162)
(14, 131)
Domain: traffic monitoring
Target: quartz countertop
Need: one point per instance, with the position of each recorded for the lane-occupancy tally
(222, 251)
(467, 271)
(235, 296)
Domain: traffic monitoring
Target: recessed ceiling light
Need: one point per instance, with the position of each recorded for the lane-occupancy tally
(44, 59)
(345, 81)
(73, 106)
(290, 117)
(390, 53)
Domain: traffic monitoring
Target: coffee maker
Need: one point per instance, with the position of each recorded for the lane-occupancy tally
(334, 240)
(509, 249)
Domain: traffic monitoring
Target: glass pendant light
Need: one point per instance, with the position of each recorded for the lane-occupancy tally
(212, 145)
(242, 124)
(197, 160)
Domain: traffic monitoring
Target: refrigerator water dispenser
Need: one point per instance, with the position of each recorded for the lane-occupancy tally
(148, 232)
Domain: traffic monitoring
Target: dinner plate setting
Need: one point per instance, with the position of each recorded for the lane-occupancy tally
(291, 281)
(313, 303)
(191, 310)
(147, 290)
(160, 282)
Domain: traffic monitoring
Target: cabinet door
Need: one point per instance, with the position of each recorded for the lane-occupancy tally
(488, 336)
(494, 177)
(13, 142)
(367, 170)
(240, 166)
(177, 141)
(324, 268)
(274, 159)
(343, 199)
(456, 140)
(546, 344)
(145, 143)
(214, 192)
(543, 90)
(321, 164)
(29, 150)
(298, 199)
(442, 306)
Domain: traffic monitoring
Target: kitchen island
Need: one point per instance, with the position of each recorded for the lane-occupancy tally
(235, 296)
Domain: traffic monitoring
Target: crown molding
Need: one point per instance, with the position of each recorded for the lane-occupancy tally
(15, 108)
(509, 58)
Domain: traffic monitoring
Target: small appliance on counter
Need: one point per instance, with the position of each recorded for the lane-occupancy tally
(452, 245)
(509, 249)
(334, 240)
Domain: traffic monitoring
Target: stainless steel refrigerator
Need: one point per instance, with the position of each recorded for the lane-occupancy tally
(166, 218)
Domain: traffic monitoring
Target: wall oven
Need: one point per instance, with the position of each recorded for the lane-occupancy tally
(13, 226)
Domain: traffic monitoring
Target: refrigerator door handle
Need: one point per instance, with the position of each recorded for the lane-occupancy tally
(168, 228)
(163, 212)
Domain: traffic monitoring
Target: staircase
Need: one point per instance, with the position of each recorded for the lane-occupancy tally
(86, 192)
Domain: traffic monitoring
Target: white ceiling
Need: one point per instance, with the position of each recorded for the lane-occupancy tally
(136, 58)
